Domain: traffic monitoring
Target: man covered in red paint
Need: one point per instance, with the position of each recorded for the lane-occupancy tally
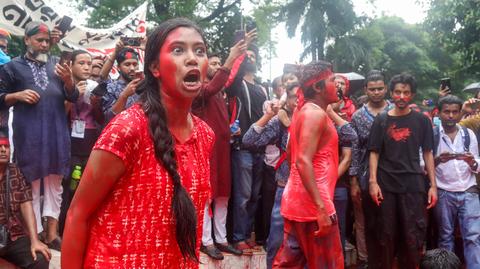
(396, 183)
(311, 234)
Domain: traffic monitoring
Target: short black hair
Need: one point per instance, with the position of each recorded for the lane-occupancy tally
(403, 78)
(214, 54)
(449, 100)
(440, 259)
(374, 75)
(3, 132)
(292, 85)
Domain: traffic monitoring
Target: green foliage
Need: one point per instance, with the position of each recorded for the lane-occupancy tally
(322, 20)
(455, 25)
(393, 46)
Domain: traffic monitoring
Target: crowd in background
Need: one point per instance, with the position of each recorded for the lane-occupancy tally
(61, 106)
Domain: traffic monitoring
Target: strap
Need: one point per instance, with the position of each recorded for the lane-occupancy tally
(436, 139)
(282, 158)
(247, 92)
(466, 139)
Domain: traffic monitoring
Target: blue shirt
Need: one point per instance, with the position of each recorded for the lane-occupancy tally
(114, 89)
(40, 131)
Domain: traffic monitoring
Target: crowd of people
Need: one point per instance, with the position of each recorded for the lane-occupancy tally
(194, 155)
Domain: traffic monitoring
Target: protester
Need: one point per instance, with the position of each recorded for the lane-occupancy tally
(23, 249)
(4, 37)
(97, 65)
(37, 87)
(269, 130)
(147, 178)
(456, 166)
(247, 96)
(396, 182)
(307, 205)
(347, 107)
(362, 121)
(211, 107)
(85, 117)
(120, 92)
(348, 139)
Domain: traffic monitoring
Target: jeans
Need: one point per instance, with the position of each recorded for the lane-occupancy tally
(465, 207)
(247, 183)
(264, 211)
(275, 237)
(340, 200)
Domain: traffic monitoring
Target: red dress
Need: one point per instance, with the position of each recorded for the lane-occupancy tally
(135, 226)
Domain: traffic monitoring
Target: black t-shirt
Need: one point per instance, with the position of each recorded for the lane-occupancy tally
(398, 142)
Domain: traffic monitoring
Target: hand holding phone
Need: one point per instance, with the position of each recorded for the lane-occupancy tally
(131, 41)
(139, 74)
(445, 84)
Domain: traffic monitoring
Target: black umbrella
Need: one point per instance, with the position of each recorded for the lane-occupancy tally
(472, 87)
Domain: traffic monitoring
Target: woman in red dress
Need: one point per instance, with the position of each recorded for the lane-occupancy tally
(147, 179)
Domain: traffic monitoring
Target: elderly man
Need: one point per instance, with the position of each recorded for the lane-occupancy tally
(37, 86)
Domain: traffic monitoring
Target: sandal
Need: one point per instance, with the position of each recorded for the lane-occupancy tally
(245, 248)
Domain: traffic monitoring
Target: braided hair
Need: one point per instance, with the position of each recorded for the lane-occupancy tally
(182, 205)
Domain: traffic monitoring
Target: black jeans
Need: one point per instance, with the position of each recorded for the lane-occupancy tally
(18, 253)
(395, 228)
(264, 211)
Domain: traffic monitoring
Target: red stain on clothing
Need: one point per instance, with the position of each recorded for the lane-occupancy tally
(398, 134)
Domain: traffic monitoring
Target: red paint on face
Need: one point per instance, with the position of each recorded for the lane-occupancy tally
(182, 55)
(331, 90)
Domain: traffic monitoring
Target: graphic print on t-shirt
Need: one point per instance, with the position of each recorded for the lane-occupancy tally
(398, 134)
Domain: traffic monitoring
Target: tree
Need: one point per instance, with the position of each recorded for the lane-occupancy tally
(322, 20)
(393, 46)
(455, 25)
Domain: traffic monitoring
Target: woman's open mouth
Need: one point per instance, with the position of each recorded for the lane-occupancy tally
(192, 80)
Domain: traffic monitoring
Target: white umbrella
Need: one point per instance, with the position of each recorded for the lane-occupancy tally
(472, 87)
(352, 76)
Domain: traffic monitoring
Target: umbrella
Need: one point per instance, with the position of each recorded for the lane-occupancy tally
(472, 87)
(352, 76)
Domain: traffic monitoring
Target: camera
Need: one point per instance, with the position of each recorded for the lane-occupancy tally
(131, 41)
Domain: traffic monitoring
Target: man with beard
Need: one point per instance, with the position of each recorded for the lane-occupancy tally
(246, 97)
(37, 86)
(121, 92)
(396, 183)
(211, 107)
(362, 120)
(456, 161)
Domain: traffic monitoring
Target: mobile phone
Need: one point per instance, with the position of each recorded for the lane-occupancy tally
(131, 41)
(100, 90)
(239, 35)
(476, 105)
(64, 24)
(250, 26)
(445, 82)
(139, 74)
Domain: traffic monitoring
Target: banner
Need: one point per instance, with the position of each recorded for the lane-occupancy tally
(16, 14)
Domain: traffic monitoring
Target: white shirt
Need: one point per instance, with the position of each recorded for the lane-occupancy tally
(456, 175)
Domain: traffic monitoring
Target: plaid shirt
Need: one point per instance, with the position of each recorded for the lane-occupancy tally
(20, 192)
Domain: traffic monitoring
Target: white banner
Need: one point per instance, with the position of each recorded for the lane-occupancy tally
(16, 14)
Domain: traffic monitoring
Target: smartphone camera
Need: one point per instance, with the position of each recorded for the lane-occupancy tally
(131, 41)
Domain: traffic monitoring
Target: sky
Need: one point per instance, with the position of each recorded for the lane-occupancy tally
(288, 50)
